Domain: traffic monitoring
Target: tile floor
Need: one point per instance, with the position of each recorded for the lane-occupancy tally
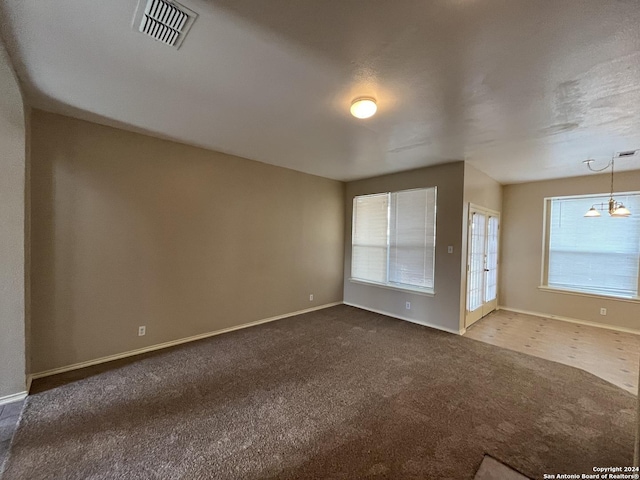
(492, 469)
(613, 356)
(9, 415)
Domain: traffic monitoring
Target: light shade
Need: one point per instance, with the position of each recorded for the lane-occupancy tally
(621, 211)
(592, 212)
(363, 107)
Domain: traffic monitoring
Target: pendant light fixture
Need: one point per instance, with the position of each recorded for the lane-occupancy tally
(615, 208)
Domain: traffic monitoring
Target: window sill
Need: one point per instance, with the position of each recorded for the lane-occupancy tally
(417, 291)
(546, 288)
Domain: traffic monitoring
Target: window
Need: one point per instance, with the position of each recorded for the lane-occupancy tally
(593, 255)
(393, 239)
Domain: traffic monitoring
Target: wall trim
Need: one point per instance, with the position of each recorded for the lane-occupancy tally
(172, 343)
(407, 319)
(15, 397)
(426, 293)
(571, 320)
(546, 288)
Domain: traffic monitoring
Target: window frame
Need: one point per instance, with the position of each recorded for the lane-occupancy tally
(546, 240)
(426, 291)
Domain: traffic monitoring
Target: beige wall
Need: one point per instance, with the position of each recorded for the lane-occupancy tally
(131, 230)
(522, 243)
(12, 231)
(442, 309)
(482, 191)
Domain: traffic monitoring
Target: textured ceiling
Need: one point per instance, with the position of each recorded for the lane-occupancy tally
(523, 90)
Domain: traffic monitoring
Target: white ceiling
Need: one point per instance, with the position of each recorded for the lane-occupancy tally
(523, 90)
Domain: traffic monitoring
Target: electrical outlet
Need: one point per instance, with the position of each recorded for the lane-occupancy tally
(408, 306)
(142, 331)
(311, 297)
(603, 311)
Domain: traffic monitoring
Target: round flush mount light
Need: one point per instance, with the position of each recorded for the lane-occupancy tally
(363, 107)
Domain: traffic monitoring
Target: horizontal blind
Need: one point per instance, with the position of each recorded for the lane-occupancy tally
(598, 255)
(369, 240)
(412, 237)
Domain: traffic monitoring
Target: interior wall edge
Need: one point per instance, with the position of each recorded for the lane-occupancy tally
(13, 241)
(27, 243)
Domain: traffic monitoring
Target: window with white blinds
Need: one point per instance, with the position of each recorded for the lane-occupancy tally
(370, 244)
(393, 238)
(599, 255)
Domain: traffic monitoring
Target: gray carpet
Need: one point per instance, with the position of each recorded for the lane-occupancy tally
(339, 393)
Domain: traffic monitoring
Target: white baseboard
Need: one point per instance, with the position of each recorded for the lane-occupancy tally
(571, 320)
(172, 343)
(412, 320)
(13, 398)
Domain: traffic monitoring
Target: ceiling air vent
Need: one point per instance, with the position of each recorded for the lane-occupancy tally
(163, 20)
(628, 153)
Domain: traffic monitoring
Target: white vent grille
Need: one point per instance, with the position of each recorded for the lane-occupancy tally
(165, 21)
(628, 153)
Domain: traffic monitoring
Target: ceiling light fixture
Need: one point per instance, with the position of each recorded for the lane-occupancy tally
(364, 107)
(615, 209)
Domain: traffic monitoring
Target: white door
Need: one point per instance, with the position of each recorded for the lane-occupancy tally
(482, 263)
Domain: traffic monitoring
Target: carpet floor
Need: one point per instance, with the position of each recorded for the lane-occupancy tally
(340, 393)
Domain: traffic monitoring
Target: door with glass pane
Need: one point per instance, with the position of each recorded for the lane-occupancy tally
(482, 263)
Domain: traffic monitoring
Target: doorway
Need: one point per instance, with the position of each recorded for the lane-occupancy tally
(482, 263)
